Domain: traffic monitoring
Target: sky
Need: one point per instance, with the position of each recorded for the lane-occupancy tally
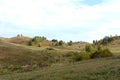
(76, 20)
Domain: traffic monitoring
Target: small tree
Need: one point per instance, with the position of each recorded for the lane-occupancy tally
(61, 43)
(18, 35)
(55, 42)
(70, 43)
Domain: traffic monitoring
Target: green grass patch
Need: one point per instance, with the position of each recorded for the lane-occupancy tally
(96, 69)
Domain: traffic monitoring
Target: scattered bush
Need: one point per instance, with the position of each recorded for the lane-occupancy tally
(57, 43)
(101, 53)
(36, 41)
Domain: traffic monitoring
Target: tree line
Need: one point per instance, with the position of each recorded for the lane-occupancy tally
(106, 40)
(37, 40)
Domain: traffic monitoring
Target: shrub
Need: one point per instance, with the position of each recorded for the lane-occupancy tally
(36, 41)
(101, 53)
(54, 40)
(70, 43)
(89, 48)
(61, 43)
(81, 56)
(50, 48)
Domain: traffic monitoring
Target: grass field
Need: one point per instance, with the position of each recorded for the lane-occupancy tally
(96, 69)
(20, 58)
(20, 55)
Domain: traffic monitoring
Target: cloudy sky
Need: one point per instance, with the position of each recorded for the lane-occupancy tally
(75, 20)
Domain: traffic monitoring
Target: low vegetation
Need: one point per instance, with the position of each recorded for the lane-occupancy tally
(36, 41)
(82, 56)
(93, 52)
(101, 53)
(95, 69)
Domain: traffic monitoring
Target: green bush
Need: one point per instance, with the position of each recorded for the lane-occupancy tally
(81, 56)
(89, 48)
(101, 53)
(70, 43)
(36, 41)
(60, 43)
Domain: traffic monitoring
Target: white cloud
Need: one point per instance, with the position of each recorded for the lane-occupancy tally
(62, 14)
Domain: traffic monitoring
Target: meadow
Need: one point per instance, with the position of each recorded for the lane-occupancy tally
(22, 62)
(96, 69)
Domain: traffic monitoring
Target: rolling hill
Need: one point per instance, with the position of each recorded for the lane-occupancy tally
(18, 61)
(14, 57)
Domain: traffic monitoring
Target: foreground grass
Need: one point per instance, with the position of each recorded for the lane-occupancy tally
(96, 69)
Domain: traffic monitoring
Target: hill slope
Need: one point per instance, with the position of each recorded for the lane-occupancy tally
(14, 56)
(54, 63)
(115, 47)
(19, 40)
(97, 69)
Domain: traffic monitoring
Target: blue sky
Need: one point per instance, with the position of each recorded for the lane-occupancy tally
(92, 2)
(75, 20)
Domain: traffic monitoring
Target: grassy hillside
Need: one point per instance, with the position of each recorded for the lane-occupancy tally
(22, 62)
(19, 40)
(11, 53)
(14, 57)
(96, 69)
(77, 45)
(115, 47)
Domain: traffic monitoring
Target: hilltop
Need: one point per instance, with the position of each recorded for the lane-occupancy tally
(25, 40)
